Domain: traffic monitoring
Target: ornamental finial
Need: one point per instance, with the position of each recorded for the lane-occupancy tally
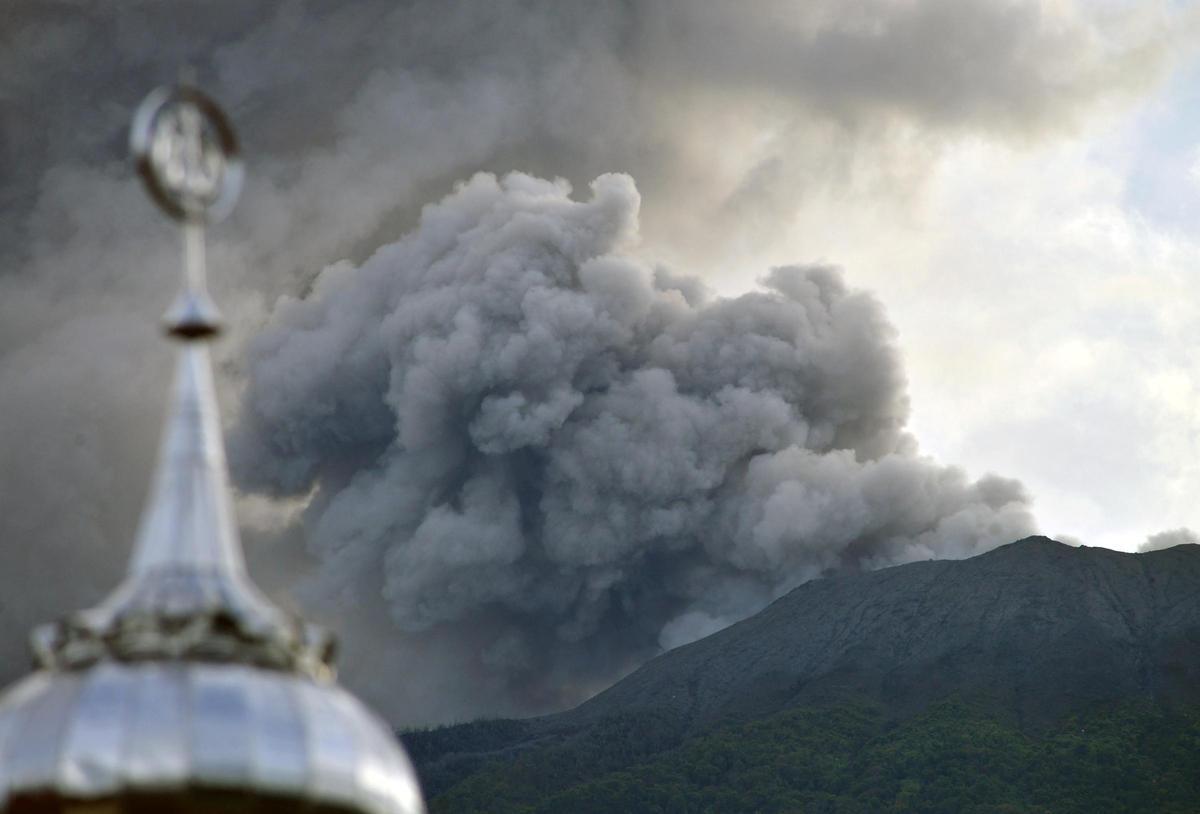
(187, 155)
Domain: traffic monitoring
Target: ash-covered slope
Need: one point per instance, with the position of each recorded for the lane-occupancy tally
(1034, 630)
(1037, 626)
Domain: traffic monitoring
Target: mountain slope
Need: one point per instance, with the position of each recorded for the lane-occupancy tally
(1037, 625)
(1031, 632)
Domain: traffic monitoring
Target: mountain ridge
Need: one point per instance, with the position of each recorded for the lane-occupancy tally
(1033, 631)
(1025, 578)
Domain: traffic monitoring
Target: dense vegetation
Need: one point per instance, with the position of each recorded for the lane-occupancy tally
(955, 758)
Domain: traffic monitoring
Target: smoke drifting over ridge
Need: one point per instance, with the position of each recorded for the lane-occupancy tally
(512, 426)
(352, 115)
(1169, 539)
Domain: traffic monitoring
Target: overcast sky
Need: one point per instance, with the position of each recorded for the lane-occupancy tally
(1016, 184)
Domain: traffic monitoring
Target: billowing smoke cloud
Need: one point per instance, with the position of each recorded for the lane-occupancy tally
(353, 115)
(1169, 539)
(512, 425)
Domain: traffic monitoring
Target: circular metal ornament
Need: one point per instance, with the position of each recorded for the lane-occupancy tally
(187, 154)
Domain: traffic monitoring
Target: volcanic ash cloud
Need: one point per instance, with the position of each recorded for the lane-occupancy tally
(515, 433)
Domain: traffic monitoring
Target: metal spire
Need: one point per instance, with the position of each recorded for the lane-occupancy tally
(187, 524)
(187, 689)
(186, 591)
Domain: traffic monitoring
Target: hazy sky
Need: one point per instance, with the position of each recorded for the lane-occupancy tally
(1047, 301)
(1016, 183)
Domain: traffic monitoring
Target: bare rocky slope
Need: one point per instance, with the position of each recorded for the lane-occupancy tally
(1035, 629)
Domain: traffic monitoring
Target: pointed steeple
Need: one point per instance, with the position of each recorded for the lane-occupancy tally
(187, 524)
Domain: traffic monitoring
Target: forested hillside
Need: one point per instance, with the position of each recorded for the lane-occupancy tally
(854, 759)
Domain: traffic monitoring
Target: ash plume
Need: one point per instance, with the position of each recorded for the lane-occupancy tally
(516, 433)
(352, 115)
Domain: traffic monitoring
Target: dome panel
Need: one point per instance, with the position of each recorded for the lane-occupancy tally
(96, 733)
(156, 752)
(279, 758)
(30, 758)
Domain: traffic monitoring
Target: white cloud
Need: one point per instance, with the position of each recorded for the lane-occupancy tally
(1051, 338)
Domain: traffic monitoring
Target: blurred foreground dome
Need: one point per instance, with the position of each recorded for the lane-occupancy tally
(187, 690)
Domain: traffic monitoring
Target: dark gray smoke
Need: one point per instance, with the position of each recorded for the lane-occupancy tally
(354, 114)
(519, 434)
